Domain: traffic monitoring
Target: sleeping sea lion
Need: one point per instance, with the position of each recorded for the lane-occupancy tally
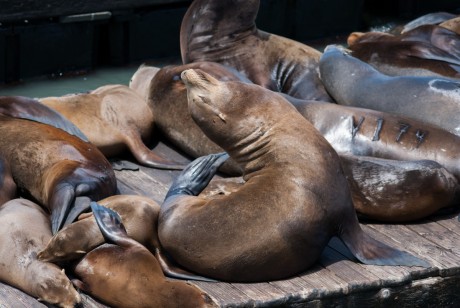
(24, 231)
(428, 50)
(113, 117)
(353, 82)
(224, 31)
(139, 214)
(8, 188)
(60, 171)
(295, 196)
(126, 274)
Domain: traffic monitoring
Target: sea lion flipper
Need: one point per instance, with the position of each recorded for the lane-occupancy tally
(31, 109)
(147, 157)
(172, 270)
(80, 285)
(81, 204)
(109, 223)
(196, 176)
(370, 251)
(61, 202)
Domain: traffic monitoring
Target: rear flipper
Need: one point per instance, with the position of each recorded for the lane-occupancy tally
(170, 269)
(196, 176)
(146, 157)
(110, 224)
(370, 251)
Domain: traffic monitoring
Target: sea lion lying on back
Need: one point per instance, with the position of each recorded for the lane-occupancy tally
(125, 274)
(428, 50)
(113, 117)
(24, 231)
(294, 200)
(352, 82)
(224, 31)
(61, 171)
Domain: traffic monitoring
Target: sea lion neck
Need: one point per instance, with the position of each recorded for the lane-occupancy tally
(221, 21)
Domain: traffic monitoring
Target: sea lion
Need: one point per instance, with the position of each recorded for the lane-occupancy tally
(350, 130)
(428, 50)
(428, 19)
(126, 274)
(224, 31)
(24, 230)
(8, 188)
(353, 82)
(139, 214)
(113, 117)
(60, 171)
(294, 200)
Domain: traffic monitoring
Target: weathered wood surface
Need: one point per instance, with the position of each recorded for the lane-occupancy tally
(337, 280)
(32, 9)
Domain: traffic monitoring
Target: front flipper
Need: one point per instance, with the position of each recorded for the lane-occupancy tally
(81, 205)
(196, 176)
(59, 206)
(29, 109)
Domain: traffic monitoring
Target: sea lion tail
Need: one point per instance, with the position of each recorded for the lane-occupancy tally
(370, 251)
(109, 223)
(196, 176)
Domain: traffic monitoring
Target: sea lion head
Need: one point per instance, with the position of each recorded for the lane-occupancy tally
(229, 113)
(54, 287)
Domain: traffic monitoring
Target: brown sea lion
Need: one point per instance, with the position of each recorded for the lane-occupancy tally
(126, 274)
(428, 50)
(353, 82)
(60, 171)
(114, 118)
(25, 230)
(139, 214)
(295, 196)
(8, 188)
(224, 31)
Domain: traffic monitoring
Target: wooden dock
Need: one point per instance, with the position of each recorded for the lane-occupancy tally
(337, 280)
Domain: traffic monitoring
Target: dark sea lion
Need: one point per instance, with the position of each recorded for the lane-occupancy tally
(60, 171)
(353, 82)
(398, 191)
(114, 118)
(295, 196)
(428, 19)
(224, 31)
(365, 132)
(126, 274)
(25, 230)
(139, 214)
(8, 189)
(425, 51)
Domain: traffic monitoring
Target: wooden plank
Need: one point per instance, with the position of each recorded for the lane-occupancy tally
(445, 261)
(224, 294)
(11, 297)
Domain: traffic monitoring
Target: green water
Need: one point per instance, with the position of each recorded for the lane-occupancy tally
(57, 86)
